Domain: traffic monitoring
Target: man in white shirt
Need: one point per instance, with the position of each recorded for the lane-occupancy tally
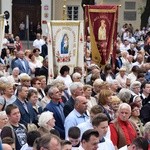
(89, 140)
(100, 124)
(38, 42)
(125, 46)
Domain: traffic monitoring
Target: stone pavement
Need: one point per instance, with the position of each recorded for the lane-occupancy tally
(25, 45)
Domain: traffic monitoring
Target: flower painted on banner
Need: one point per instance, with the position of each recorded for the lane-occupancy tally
(61, 58)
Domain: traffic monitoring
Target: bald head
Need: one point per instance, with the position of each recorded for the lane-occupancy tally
(21, 54)
(81, 104)
(78, 99)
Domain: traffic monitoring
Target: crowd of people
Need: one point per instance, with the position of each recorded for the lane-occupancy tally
(98, 108)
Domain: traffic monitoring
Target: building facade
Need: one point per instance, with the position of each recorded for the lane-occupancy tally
(46, 10)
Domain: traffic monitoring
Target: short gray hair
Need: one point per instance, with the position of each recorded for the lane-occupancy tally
(51, 90)
(124, 105)
(124, 95)
(75, 85)
(98, 82)
(76, 75)
(135, 83)
(44, 118)
(147, 128)
(3, 113)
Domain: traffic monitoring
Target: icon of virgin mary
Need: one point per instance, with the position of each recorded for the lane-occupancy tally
(102, 31)
(65, 44)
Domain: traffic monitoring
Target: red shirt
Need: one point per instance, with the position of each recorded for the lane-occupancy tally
(126, 128)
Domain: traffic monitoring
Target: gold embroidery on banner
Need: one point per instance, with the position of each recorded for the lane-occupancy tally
(65, 23)
(96, 57)
(102, 10)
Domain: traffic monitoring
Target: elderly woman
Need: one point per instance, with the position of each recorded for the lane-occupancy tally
(96, 86)
(135, 113)
(122, 77)
(147, 132)
(25, 79)
(115, 102)
(3, 119)
(46, 123)
(114, 86)
(76, 77)
(87, 93)
(135, 88)
(137, 99)
(124, 95)
(8, 96)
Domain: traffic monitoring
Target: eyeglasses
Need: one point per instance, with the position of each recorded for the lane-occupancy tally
(135, 110)
(38, 83)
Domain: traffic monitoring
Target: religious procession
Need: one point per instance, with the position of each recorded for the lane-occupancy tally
(85, 85)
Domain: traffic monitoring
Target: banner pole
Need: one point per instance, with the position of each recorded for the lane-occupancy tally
(65, 10)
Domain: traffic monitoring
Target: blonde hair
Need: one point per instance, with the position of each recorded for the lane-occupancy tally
(86, 86)
(103, 95)
(41, 77)
(115, 99)
(7, 85)
(27, 51)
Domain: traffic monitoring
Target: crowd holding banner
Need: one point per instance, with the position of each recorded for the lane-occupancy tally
(82, 87)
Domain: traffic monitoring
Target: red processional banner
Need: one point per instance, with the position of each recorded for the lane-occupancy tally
(101, 25)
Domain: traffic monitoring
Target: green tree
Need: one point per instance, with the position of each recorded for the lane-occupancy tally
(145, 15)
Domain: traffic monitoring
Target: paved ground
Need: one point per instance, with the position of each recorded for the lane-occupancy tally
(26, 45)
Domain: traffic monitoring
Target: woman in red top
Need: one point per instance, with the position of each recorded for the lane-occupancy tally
(123, 131)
